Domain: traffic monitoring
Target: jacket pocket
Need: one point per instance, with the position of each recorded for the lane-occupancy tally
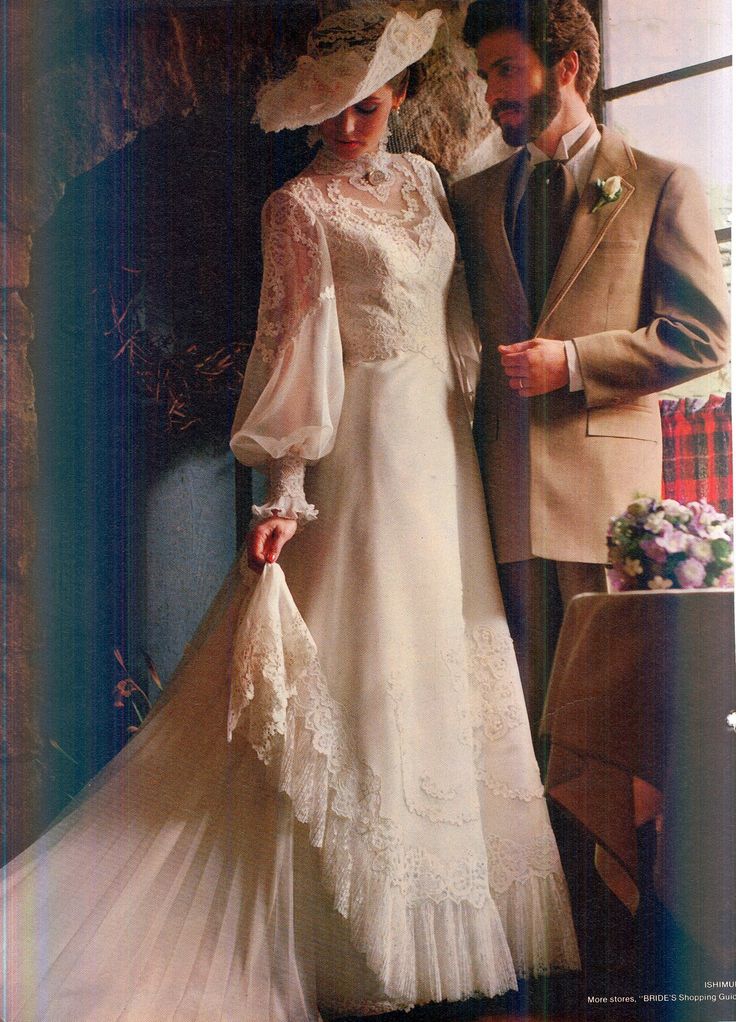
(633, 421)
(619, 245)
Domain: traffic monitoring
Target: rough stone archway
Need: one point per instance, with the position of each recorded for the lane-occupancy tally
(129, 69)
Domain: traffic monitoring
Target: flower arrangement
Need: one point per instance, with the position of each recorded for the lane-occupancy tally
(666, 545)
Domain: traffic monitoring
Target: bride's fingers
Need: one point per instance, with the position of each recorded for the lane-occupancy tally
(266, 541)
(256, 560)
(283, 530)
(272, 547)
(257, 545)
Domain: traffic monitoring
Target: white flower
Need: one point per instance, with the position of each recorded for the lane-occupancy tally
(658, 582)
(653, 521)
(731, 720)
(608, 191)
(611, 187)
(701, 550)
(676, 512)
(632, 566)
(717, 532)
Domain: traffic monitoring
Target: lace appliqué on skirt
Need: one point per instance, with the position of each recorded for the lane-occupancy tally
(425, 924)
(390, 894)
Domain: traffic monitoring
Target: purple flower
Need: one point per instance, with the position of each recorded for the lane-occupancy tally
(654, 550)
(618, 580)
(684, 545)
(704, 516)
(690, 573)
(724, 580)
(674, 541)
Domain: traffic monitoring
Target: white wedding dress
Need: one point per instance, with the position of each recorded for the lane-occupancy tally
(375, 834)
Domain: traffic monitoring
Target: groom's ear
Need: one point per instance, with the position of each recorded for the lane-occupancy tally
(568, 67)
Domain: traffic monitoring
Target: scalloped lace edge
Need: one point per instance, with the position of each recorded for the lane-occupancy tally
(404, 909)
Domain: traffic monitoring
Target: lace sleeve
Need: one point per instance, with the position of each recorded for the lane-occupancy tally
(461, 329)
(286, 492)
(293, 388)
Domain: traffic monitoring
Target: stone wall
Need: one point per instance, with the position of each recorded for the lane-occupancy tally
(82, 86)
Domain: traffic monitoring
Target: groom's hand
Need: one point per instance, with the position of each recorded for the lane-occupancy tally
(536, 366)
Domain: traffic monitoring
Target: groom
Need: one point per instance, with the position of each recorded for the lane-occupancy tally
(596, 282)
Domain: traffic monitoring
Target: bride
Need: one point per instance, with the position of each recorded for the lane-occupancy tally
(374, 835)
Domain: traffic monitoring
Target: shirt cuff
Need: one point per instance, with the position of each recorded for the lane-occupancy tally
(573, 367)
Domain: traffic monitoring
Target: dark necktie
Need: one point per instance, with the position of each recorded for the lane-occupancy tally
(538, 220)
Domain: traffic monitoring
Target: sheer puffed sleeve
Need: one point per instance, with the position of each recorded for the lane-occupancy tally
(461, 329)
(293, 388)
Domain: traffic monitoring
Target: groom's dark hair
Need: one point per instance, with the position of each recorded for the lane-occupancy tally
(551, 27)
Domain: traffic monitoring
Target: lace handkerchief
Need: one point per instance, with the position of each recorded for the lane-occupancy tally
(272, 649)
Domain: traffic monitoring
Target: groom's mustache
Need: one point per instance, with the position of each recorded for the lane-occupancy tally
(506, 105)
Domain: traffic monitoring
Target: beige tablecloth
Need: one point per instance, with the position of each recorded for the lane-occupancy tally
(636, 713)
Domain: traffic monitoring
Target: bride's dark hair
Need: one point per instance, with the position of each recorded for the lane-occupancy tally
(410, 78)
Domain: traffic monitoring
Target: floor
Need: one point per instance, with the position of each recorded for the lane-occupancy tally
(483, 1011)
(465, 1017)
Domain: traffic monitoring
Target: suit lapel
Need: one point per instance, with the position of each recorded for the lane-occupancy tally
(497, 244)
(588, 229)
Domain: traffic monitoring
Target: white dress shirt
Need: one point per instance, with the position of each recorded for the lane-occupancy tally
(580, 166)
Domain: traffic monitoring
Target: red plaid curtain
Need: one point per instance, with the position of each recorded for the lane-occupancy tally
(697, 462)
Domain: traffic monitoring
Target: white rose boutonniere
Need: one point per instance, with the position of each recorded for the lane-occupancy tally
(608, 191)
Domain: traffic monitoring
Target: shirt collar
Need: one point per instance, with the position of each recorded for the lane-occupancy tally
(566, 143)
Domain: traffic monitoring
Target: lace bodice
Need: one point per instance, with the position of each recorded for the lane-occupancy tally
(391, 252)
(359, 265)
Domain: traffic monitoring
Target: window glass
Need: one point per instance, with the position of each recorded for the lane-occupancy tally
(650, 37)
(688, 122)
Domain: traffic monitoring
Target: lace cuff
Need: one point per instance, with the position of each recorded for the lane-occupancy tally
(286, 492)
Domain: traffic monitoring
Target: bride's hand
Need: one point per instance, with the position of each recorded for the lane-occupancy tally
(266, 539)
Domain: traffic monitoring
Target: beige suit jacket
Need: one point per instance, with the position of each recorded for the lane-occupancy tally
(640, 290)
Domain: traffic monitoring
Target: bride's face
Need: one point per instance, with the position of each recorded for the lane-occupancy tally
(360, 128)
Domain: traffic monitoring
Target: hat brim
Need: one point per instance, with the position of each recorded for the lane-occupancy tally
(321, 88)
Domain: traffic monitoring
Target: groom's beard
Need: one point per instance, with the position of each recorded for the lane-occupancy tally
(537, 113)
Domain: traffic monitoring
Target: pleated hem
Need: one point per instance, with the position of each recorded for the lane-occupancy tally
(420, 948)
(538, 925)
(429, 930)
(420, 951)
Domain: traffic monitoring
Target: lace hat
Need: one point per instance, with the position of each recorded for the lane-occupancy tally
(349, 55)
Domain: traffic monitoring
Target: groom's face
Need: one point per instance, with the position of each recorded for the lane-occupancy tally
(523, 95)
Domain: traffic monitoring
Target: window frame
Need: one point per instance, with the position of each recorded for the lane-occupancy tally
(602, 95)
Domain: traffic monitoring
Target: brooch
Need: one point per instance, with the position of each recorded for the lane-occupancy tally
(375, 176)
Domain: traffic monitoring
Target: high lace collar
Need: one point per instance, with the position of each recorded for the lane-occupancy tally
(328, 162)
(374, 173)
